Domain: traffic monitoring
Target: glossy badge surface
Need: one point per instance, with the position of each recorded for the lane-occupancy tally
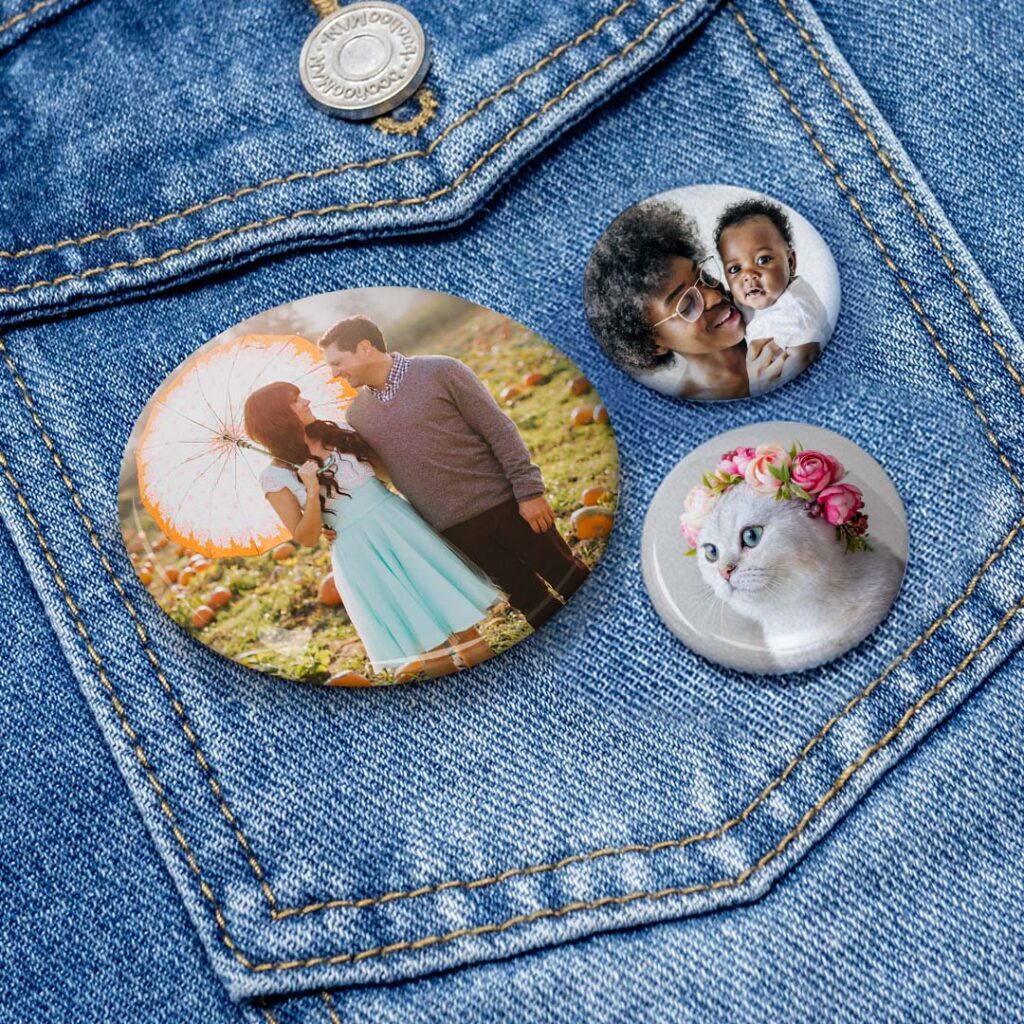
(368, 486)
(774, 547)
(712, 292)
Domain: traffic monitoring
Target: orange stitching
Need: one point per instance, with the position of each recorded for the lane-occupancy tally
(329, 1003)
(426, 101)
(426, 151)
(140, 629)
(377, 203)
(679, 843)
(919, 215)
(432, 940)
(851, 198)
(568, 908)
(12, 21)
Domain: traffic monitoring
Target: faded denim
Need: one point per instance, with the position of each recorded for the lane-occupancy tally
(588, 827)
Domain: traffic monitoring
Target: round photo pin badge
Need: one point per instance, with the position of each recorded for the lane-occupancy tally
(774, 547)
(368, 486)
(711, 293)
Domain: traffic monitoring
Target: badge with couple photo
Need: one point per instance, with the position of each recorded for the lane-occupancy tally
(711, 292)
(774, 547)
(368, 486)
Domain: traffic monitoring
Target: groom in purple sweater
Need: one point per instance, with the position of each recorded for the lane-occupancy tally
(460, 462)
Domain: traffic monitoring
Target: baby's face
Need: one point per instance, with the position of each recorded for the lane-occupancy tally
(758, 263)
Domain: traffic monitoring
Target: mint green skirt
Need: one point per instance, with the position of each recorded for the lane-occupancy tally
(404, 586)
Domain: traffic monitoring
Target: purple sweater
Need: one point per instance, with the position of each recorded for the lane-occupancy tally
(445, 443)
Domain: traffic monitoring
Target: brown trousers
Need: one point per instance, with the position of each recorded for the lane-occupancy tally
(520, 561)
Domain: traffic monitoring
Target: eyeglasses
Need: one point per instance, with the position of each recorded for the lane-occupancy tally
(690, 304)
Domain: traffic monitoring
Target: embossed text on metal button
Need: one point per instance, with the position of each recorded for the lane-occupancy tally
(365, 60)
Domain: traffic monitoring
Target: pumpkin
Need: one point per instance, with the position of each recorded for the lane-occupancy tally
(203, 616)
(531, 380)
(579, 385)
(186, 576)
(510, 394)
(582, 415)
(328, 594)
(595, 495)
(409, 671)
(219, 597)
(146, 575)
(348, 679)
(594, 522)
(283, 551)
(601, 414)
(171, 575)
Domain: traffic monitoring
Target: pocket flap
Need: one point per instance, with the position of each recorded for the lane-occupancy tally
(197, 147)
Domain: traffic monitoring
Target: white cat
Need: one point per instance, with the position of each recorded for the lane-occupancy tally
(770, 561)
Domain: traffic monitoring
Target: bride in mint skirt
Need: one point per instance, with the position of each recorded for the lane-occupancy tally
(408, 593)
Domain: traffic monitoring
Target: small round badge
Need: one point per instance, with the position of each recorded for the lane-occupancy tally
(774, 547)
(364, 60)
(368, 486)
(711, 292)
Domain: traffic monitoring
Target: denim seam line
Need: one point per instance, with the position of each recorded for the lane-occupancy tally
(919, 215)
(324, 211)
(278, 913)
(545, 912)
(15, 18)
(365, 165)
(723, 883)
(855, 203)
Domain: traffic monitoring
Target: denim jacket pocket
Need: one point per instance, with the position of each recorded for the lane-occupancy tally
(199, 149)
(599, 775)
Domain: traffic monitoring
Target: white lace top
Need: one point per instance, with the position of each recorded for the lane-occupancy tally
(349, 471)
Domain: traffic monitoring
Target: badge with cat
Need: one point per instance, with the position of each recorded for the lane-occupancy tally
(775, 547)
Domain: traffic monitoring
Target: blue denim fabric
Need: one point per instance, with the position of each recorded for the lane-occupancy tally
(599, 775)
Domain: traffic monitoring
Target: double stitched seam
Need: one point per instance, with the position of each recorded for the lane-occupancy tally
(452, 186)
(519, 919)
(733, 882)
(16, 18)
(365, 165)
(919, 215)
(678, 843)
(851, 198)
(122, 593)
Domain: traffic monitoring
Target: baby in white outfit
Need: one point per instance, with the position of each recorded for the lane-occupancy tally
(755, 243)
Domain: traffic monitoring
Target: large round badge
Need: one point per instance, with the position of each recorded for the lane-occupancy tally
(364, 60)
(774, 547)
(712, 292)
(368, 486)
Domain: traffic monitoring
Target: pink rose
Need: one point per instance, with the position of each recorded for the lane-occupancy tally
(697, 507)
(734, 463)
(840, 502)
(814, 471)
(758, 471)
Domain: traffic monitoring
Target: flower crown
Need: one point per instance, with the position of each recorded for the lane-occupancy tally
(810, 477)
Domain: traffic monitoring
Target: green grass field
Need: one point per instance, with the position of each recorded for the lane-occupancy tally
(273, 620)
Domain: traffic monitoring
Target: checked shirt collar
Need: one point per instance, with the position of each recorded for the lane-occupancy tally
(399, 368)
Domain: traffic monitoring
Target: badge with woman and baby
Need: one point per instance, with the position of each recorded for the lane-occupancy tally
(368, 486)
(711, 292)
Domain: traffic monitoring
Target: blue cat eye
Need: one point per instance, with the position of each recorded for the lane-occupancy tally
(751, 535)
(711, 552)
